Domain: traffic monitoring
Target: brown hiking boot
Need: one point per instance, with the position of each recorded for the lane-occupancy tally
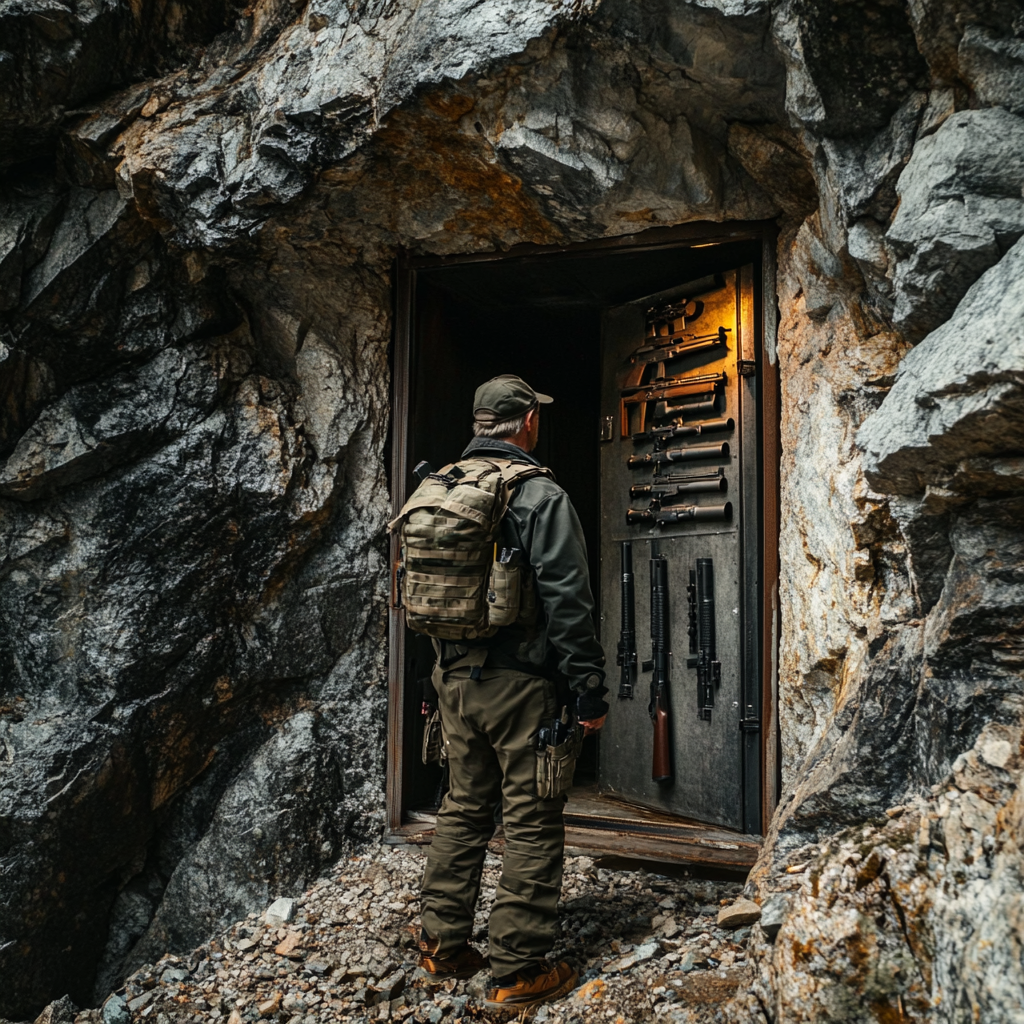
(539, 983)
(463, 963)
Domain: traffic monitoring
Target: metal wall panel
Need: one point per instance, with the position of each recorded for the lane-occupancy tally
(715, 763)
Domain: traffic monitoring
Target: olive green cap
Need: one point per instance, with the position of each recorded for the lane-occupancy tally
(503, 397)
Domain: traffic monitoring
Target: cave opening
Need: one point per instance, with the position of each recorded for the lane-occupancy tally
(551, 316)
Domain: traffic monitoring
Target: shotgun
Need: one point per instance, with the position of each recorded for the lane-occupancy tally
(698, 386)
(661, 761)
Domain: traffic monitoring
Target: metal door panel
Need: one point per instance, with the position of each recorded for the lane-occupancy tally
(708, 757)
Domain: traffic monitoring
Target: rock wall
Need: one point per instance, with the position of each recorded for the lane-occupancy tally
(195, 253)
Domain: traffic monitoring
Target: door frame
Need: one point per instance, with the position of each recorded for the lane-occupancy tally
(688, 842)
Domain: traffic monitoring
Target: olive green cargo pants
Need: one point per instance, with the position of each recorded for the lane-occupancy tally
(490, 730)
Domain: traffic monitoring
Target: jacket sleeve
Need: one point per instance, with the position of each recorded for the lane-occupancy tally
(558, 554)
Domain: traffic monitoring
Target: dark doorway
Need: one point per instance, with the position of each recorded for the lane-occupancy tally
(544, 316)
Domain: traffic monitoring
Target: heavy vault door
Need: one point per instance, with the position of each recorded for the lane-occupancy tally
(679, 402)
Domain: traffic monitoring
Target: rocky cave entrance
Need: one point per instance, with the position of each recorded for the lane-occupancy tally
(551, 315)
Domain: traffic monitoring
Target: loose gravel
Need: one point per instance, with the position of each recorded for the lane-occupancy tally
(646, 946)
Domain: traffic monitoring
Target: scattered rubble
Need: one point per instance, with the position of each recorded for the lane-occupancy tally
(647, 947)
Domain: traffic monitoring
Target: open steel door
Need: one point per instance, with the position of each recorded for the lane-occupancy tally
(679, 460)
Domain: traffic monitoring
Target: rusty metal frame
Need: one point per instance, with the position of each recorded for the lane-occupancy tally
(689, 843)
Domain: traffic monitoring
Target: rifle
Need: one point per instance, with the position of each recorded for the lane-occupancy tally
(679, 343)
(659, 435)
(709, 668)
(679, 513)
(626, 656)
(698, 451)
(668, 348)
(661, 761)
(703, 384)
(663, 493)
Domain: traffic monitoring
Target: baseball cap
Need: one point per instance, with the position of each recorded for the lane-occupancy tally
(503, 397)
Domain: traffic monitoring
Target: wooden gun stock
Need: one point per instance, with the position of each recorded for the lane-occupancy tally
(699, 386)
(661, 762)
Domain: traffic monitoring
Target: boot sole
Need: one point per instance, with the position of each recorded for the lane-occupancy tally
(528, 1004)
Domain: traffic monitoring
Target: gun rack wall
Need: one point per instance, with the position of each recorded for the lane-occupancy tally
(568, 320)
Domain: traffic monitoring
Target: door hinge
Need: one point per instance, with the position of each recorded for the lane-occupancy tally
(750, 724)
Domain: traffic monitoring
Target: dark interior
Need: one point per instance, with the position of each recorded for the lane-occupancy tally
(538, 317)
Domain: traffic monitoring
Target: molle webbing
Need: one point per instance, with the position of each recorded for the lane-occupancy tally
(451, 586)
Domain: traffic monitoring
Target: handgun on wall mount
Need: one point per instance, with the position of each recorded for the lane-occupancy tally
(658, 516)
(701, 387)
(661, 759)
(665, 488)
(625, 656)
(659, 435)
(691, 454)
(673, 317)
(704, 656)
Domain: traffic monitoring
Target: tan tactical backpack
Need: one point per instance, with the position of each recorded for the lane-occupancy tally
(453, 578)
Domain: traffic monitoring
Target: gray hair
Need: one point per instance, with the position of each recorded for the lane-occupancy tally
(503, 428)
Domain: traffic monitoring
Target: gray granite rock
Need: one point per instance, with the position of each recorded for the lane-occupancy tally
(960, 209)
(960, 393)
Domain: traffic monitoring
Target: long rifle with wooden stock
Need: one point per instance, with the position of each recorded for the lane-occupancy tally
(661, 760)
(700, 385)
(625, 657)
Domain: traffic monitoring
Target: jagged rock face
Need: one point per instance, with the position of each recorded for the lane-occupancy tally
(195, 293)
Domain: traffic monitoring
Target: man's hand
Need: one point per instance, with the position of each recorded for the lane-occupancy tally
(591, 711)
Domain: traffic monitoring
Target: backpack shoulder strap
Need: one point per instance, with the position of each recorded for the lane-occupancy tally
(513, 473)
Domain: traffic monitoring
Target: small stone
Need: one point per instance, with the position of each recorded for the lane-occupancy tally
(739, 913)
(670, 928)
(136, 1004)
(280, 912)
(639, 956)
(995, 751)
(60, 1011)
(290, 942)
(392, 985)
(773, 913)
(688, 961)
(271, 1006)
(235, 1018)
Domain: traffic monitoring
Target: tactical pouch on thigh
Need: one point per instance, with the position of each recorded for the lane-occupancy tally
(556, 764)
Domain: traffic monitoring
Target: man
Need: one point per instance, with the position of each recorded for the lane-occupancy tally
(494, 696)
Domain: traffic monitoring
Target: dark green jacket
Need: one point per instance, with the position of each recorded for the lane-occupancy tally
(542, 522)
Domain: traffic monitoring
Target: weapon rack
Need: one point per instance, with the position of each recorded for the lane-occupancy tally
(553, 314)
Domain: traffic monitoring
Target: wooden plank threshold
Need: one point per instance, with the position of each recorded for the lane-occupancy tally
(598, 835)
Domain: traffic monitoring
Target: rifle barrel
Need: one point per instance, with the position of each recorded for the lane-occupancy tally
(626, 655)
(661, 760)
(691, 454)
